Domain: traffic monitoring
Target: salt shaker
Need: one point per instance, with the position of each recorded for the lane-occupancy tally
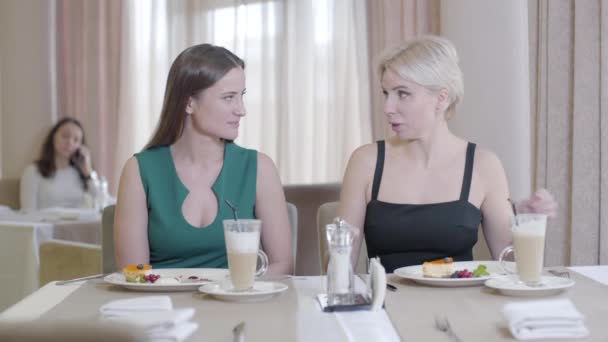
(340, 275)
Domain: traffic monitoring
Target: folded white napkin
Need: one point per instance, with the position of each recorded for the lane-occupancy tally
(540, 319)
(124, 307)
(178, 334)
(154, 315)
(378, 275)
(155, 320)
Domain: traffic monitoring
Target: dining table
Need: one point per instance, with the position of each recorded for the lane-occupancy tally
(410, 311)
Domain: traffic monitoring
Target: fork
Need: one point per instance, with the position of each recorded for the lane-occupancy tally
(97, 276)
(442, 324)
(238, 332)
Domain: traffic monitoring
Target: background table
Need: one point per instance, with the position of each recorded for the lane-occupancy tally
(21, 235)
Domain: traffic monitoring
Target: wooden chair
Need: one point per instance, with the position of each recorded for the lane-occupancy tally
(9, 193)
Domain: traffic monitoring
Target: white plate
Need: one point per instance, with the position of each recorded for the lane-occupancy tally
(511, 286)
(415, 273)
(212, 274)
(261, 290)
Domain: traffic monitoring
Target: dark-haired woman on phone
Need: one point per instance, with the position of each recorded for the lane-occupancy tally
(62, 176)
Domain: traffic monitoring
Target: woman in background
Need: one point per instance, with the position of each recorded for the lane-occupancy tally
(62, 176)
(171, 198)
(422, 194)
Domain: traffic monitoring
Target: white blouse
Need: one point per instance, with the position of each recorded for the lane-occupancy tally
(64, 189)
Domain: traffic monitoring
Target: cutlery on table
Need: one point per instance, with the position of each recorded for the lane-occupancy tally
(65, 282)
(238, 332)
(442, 324)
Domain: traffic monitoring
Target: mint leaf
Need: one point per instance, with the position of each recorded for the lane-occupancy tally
(480, 271)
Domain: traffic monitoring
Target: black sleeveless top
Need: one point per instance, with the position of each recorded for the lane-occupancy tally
(410, 234)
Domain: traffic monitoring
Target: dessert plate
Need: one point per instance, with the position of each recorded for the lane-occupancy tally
(510, 285)
(261, 290)
(178, 279)
(415, 273)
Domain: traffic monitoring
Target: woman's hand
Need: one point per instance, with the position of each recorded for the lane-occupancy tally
(82, 160)
(541, 202)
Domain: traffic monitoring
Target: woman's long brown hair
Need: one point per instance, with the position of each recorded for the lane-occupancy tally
(194, 70)
(46, 162)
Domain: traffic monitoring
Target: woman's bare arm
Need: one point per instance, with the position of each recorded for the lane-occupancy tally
(353, 196)
(271, 208)
(131, 219)
(495, 208)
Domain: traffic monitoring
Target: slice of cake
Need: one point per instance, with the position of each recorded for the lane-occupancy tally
(135, 273)
(440, 268)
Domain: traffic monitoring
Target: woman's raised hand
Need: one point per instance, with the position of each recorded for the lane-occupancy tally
(541, 202)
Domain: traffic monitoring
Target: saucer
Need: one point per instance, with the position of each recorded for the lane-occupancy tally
(261, 290)
(510, 285)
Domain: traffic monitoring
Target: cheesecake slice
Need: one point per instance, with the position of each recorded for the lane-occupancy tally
(441, 268)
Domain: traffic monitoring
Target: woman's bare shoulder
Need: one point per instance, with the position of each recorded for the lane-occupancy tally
(364, 156)
(266, 166)
(487, 163)
(132, 165)
(130, 175)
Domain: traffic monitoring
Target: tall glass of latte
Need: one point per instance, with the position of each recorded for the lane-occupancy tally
(242, 247)
(528, 246)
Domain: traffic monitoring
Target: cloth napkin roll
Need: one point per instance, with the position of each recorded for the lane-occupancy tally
(123, 307)
(378, 279)
(154, 315)
(541, 319)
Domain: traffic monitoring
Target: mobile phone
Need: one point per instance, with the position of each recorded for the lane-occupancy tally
(360, 302)
(76, 156)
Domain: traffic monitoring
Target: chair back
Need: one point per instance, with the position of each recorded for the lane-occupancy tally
(63, 260)
(325, 215)
(9, 193)
(307, 198)
(292, 213)
(18, 261)
(108, 262)
(481, 251)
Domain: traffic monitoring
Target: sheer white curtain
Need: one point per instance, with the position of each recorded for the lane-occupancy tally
(307, 80)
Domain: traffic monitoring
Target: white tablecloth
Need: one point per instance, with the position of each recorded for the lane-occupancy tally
(312, 325)
(80, 225)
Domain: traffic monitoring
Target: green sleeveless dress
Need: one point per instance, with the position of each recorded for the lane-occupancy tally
(175, 243)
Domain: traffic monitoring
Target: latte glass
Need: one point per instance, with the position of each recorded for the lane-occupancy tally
(242, 247)
(528, 246)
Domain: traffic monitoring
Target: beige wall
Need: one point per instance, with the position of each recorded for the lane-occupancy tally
(25, 82)
(492, 39)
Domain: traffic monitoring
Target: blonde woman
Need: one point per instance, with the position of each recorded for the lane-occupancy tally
(422, 194)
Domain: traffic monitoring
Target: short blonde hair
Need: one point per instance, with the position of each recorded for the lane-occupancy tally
(430, 61)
